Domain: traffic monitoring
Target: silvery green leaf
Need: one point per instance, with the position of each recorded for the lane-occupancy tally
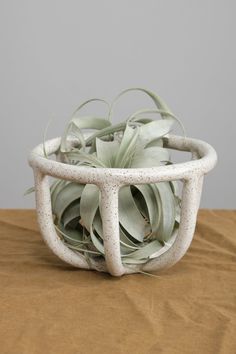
(175, 187)
(77, 132)
(150, 157)
(146, 251)
(91, 122)
(71, 213)
(29, 191)
(152, 205)
(126, 240)
(83, 249)
(89, 203)
(97, 243)
(129, 215)
(55, 189)
(159, 103)
(68, 194)
(90, 159)
(85, 103)
(164, 248)
(154, 130)
(168, 210)
(70, 235)
(156, 99)
(126, 244)
(156, 142)
(106, 131)
(127, 147)
(106, 151)
(74, 116)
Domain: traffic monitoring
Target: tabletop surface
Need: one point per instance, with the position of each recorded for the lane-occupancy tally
(47, 306)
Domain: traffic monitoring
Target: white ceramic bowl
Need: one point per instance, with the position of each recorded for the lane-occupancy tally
(109, 180)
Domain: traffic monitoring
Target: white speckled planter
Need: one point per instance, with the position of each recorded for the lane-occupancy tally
(109, 180)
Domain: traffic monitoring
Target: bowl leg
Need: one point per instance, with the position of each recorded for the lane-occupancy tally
(191, 196)
(46, 225)
(111, 233)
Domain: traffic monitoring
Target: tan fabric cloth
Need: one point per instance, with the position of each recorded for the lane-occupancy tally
(49, 307)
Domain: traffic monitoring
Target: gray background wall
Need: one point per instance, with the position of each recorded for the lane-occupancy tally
(54, 54)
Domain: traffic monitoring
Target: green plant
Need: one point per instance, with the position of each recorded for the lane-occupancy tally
(148, 214)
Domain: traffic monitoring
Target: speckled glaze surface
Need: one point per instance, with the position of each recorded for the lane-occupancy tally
(109, 180)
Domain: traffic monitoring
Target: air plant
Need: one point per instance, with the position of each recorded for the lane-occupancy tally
(149, 214)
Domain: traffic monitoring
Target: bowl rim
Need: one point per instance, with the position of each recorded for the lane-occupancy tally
(204, 158)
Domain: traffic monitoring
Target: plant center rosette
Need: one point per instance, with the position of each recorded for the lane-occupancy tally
(149, 214)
